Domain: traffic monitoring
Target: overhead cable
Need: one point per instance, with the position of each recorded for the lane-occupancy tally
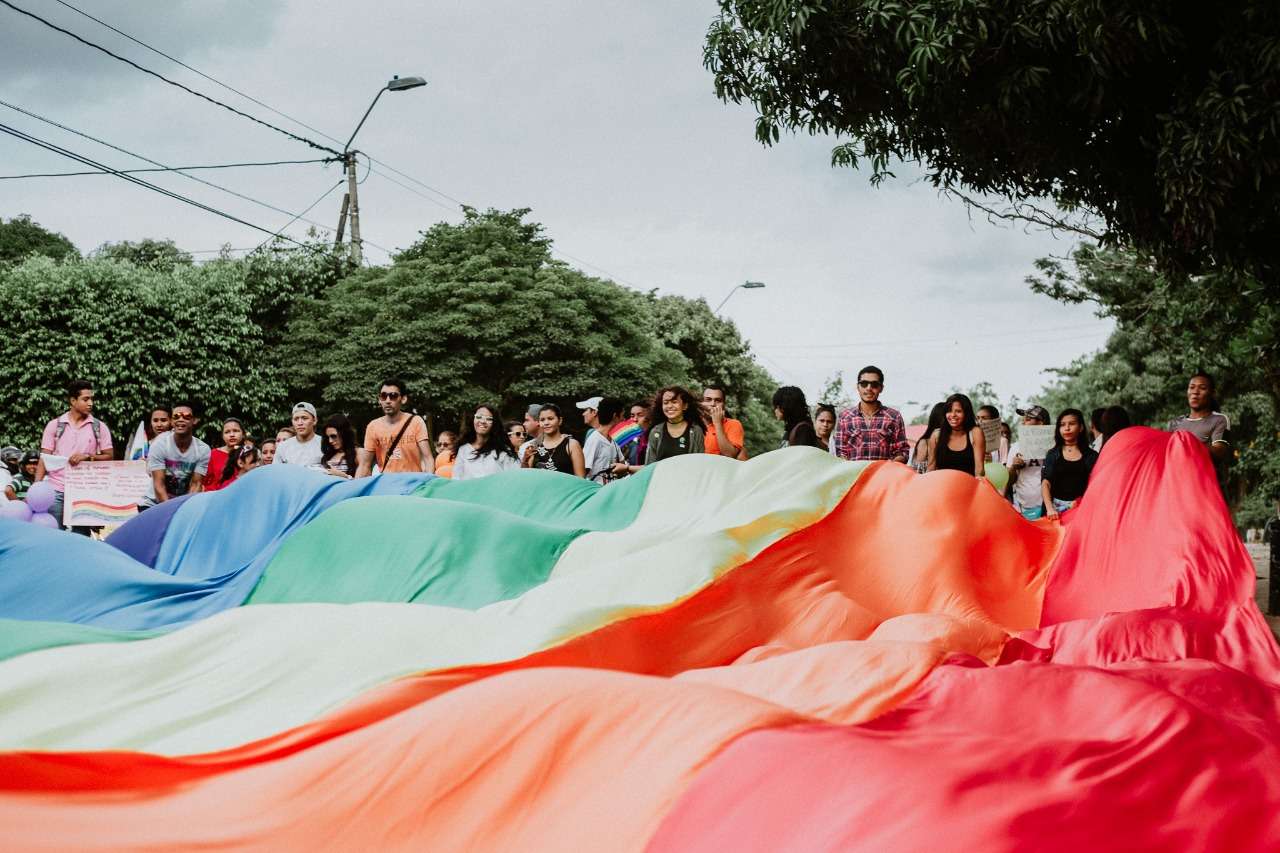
(160, 76)
(162, 169)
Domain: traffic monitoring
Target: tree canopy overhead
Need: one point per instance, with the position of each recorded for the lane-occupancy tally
(1161, 119)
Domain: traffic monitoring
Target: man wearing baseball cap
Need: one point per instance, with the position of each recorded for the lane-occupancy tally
(1024, 474)
(532, 429)
(305, 448)
(603, 458)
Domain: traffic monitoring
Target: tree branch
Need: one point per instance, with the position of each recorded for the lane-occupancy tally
(1028, 213)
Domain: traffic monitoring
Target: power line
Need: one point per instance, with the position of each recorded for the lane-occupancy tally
(322, 197)
(144, 159)
(137, 156)
(333, 138)
(160, 76)
(164, 169)
(14, 132)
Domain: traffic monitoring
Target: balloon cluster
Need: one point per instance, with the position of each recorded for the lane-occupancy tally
(35, 509)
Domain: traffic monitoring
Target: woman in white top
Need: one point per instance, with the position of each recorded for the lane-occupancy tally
(485, 448)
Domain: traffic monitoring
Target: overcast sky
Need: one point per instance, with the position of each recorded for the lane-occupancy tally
(598, 116)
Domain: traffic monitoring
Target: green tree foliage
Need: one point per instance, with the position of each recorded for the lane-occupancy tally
(715, 352)
(142, 336)
(1169, 327)
(1162, 119)
(20, 237)
(834, 393)
(478, 312)
(161, 255)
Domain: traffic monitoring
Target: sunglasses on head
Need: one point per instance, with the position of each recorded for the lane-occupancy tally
(389, 395)
(869, 383)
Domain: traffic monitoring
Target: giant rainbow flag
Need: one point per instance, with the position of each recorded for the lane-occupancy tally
(793, 653)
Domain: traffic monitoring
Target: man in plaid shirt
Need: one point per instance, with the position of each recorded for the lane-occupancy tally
(870, 430)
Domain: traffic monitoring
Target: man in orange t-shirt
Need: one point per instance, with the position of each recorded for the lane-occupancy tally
(412, 452)
(724, 434)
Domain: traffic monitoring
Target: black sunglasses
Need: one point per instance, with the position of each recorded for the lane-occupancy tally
(863, 383)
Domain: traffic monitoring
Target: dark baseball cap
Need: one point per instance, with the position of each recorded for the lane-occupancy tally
(1040, 413)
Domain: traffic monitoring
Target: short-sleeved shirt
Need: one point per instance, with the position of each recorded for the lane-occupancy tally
(732, 429)
(406, 458)
(1026, 483)
(600, 454)
(179, 466)
(858, 437)
(76, 438)
(1211, 429)
(308, 454)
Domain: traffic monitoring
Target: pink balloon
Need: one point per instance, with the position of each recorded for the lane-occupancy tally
(41, 496)
(15, 510)
(43, 519)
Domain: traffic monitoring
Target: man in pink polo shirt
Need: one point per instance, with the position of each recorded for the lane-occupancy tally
(69, 439)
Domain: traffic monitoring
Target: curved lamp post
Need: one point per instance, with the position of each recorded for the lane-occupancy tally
(746, 285)
(351, 204)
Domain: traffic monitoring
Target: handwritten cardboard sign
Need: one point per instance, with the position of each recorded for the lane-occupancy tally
(100, 494)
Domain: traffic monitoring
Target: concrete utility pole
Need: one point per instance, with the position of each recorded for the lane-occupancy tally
(353, 209)
(351, 204)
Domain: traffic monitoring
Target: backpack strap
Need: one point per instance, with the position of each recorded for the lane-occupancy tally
(93, 424)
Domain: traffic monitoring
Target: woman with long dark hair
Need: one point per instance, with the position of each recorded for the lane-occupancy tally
(554, 450)
(339, 459)
(824, 423)
(1068, 465)
(920, 453)
(677, 425)
(485, 447)
(960, 446)
(789, 406)
(222, 460)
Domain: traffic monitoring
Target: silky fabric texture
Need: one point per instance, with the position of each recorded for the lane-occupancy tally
(786, 617)
(140, 536)
(842, 683)
(279, 666)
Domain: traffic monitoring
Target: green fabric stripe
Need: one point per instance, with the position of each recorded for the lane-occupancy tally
(19, 636)
(463, 544)
(468, 544)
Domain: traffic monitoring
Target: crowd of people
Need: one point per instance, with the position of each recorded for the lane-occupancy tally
(620, 440)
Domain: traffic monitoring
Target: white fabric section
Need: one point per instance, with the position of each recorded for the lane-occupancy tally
(468, 466)
(255, 671)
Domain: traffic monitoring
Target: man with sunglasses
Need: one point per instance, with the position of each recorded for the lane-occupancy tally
(398, 440)
(870, 430)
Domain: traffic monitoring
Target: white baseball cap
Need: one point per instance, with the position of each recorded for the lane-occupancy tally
(590, 403)
(305, 407)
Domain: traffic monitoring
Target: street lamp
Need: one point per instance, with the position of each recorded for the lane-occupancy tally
(746, 285)
(351, 204)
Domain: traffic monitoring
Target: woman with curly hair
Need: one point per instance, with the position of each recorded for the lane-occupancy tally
(677, 425)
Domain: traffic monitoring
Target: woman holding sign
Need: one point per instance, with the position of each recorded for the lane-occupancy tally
(1067, 466)
(961, 446)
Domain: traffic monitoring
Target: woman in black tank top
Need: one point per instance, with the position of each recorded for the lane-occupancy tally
(960, 446)
(552, 449)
